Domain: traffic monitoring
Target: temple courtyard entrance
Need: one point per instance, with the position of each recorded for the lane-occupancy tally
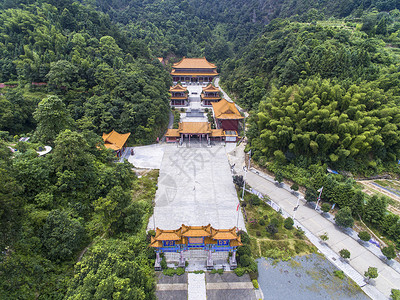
(195, 188)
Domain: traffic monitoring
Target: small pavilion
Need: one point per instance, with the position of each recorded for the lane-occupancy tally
(179, 95)
(204, 239)
(227, 117)
(210, 94)
(116, 141)
(194, 70)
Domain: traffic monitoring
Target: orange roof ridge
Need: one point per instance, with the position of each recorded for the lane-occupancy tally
(194, 63)
(177, 88)
(211, 88)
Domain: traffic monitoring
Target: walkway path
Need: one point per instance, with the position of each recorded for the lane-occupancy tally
(196, 286)
(315, 225)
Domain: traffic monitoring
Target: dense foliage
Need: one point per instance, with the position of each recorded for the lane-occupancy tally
(106, 80)
(52, 207)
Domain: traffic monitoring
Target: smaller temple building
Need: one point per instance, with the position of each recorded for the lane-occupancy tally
(194, 70)
(116, 141)
(210, 94)
(227, 117)
(204, 241)
(179, 95)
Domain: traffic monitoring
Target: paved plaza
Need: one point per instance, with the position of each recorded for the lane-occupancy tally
(195, 188)
(227, 286)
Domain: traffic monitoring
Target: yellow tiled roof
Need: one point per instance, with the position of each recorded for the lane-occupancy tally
(194, 63)
(115, 140)
(210, 88)
(224, 234)
(194, 127)
(167, 235)
(217, 132)
(196, 231)
(211, 73)
(177, 88)
(173, 133)
(226, 110)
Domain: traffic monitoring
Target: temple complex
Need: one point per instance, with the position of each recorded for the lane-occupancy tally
(115, 141)
(193, 70)
(210, 94)
(179, 95)
(202, 241)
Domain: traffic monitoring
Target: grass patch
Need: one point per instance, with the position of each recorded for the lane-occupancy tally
(280, 245)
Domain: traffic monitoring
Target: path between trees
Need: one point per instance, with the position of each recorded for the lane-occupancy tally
(315, 225)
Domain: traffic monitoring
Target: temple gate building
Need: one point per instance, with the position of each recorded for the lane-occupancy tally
(210, 94)
(193, 70)
(200, 242)
(199, 131)
(115, 141)
(179, 95)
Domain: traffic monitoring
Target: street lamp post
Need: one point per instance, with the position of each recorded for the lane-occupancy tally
(296, 208)
(319, 197)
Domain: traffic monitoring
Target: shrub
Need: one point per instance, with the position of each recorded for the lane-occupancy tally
(324, 237)
(275, 222)
(344, 218)
(258, 233)
(244, 260)
(244, 250)
(371, 273)
(265, 217)
(339, 274)
(244, 237)
(180, 271)
(325, 207)
(278, 176)
(219, 271)
(344, 253)
(272, 229)
(238, 180)
(254, 200)
(364, 236)
(240, 271)
(389, 252)
(169, 272)
(262, 222)
(395, 295)
(294, 187)
(198, 272)
(164, 263)
(299, 233)
(255, 283)
(288, 224)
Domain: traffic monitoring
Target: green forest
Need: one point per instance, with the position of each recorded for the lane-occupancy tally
(320, 80)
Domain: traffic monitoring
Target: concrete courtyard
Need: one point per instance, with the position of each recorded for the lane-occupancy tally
(195, 188)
